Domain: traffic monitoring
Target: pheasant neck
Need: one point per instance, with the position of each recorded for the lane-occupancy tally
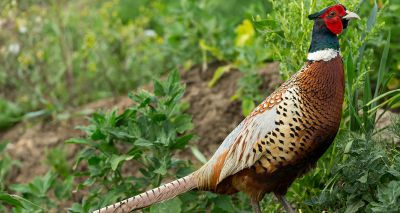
(324, 44)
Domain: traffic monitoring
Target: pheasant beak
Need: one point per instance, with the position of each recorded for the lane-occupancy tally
(350, 15)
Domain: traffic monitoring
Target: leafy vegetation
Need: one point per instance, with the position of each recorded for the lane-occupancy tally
(147, 133)
(61, 54)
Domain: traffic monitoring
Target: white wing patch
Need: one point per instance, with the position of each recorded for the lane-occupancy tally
(236, 151)
(242, 155)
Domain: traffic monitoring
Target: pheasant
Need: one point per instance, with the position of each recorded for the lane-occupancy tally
(283, 137)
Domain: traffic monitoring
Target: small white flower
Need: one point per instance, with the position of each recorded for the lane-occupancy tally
(14, 48)
(150, 33)
(22, 29)
(38, 19)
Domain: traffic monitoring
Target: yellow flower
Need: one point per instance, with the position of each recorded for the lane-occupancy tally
(90, 40)
(24, 59)
(39, 54)
(159, 40)
(244, 33)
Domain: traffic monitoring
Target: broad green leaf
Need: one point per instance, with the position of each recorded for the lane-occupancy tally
(98, 135)
(117, 159)
(244, 34)
(21, 188)
(48, 181)
(181, 142)
(183, 123)
(158, 88)
(10, 199)
(354, 207)
(19, 202)
(162, 170)
(173, 77)
(143, 142)
(159, 117)
(64, 190)
(364, 178)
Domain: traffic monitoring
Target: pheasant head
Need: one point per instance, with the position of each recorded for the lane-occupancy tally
(328, 23)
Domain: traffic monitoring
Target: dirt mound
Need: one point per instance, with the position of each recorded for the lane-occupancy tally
(214, 116)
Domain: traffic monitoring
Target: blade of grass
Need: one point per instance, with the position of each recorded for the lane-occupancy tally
(382, 68)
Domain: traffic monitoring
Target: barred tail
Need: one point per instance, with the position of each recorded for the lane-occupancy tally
(164, 192)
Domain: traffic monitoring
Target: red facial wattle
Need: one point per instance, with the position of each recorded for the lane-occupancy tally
(334, 25)
(334, 22)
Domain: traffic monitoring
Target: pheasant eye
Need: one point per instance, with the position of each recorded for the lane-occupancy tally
(332, 14)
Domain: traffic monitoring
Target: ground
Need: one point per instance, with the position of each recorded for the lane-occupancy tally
(214, 116)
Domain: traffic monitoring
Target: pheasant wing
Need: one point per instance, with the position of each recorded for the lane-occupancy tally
(239, 150)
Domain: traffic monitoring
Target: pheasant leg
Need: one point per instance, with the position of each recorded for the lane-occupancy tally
(284, 203)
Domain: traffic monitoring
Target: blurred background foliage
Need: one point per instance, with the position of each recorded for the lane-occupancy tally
(57, 54)
(60, 54)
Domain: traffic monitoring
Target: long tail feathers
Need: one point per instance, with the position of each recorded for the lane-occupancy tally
(164, 192)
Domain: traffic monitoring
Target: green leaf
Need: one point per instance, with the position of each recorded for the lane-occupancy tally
(98, 135)
(3, 145)
(382, 65)
(79, 141)
(158, 88)
(162, 170)
(117, 159)
(218, 74)
(183, 123)
(98, 118)
(173, 79)
(21, 188)
(90, 181)
(94, 160)
(224, 203)
(159, 117)
(213, 50)
(372, 17)
(364, 178)
(199, 156)
(143, 142)
(10, 199)
(181, 142)
(354, 207)
(48, 181)
(247, 106)
(170, 206)
(64, 190)
(19, 202)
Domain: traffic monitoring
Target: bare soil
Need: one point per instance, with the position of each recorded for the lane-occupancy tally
(214, 116)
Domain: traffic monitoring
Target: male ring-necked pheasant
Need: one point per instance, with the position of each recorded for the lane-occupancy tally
(283, 137)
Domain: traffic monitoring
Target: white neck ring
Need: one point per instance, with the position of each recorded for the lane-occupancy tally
(323, 55)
